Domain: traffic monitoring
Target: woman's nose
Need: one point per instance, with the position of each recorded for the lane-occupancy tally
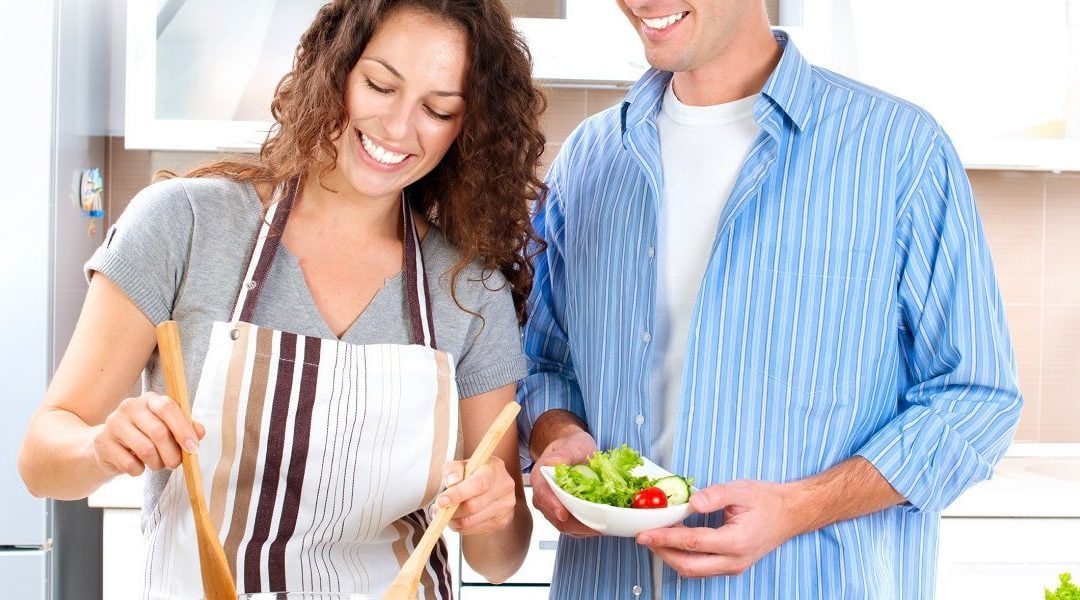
(398, 120)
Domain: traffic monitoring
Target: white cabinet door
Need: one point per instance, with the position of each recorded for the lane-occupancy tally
(1005, 558)
(539, 563)
(503, 592)
(122, 554)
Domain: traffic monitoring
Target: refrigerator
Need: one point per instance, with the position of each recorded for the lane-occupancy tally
(54, 59)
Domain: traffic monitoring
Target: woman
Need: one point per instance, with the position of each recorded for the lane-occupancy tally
(329, 327)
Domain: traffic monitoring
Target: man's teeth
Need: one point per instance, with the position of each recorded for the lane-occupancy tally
(381, 154)
(663, 22)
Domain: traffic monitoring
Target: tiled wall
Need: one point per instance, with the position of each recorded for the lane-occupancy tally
(1032, 221)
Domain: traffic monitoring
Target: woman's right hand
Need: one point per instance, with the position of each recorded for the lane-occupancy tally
(145, 431)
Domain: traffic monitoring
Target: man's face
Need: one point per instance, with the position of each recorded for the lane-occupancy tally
(683, 35)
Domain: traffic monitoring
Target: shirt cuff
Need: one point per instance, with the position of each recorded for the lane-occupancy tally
(539, 393)
(925, 459)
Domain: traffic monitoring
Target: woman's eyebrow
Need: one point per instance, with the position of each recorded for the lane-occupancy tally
(398, 74)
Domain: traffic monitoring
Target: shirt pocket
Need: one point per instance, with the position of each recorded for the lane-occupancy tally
(826, 324)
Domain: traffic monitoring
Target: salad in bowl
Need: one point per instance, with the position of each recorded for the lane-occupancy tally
(618, 492)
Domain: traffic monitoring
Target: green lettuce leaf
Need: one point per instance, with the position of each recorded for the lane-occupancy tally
(1067, 590)
(613, 484)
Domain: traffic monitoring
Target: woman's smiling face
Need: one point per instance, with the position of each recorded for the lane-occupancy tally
(405, 102)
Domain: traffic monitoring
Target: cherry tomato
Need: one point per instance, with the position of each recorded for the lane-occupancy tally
(650, 497)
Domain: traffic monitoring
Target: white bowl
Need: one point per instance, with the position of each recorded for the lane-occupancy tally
(616, 521)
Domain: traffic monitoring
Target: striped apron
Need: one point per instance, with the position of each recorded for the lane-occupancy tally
(320, 457)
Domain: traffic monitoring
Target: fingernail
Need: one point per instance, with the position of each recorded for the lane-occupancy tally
(644, 540)
(191, 445)
(452, 478)
(442, 501)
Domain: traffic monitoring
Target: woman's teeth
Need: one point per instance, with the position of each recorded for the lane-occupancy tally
(663, 22)
(379, 153)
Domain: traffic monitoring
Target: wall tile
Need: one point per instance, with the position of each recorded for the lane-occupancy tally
(550, 152)
(598, 100)
(180, 162)
(1063, 240)
(566, 108)
(1060, 416)
(1011, 206)
(127, 172)
(537, 9)
(1026, 332)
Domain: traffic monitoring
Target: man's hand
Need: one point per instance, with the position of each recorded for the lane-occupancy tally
(565, 442)
(757, 519)
(761, 515)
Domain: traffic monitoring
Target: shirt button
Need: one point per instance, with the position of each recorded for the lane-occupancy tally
(651, 251)
(646, 337)
(640, 419)
(251, 284)
(637, 590)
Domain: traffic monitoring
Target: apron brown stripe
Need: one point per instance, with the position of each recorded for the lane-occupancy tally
(275, 449)
(309, 380)
(442, 429)
(438, 564)
(249, 449)
(401, 553)
(219, 489)
(419, 522)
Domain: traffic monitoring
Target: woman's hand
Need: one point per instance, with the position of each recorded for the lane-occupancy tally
(147, 431)
(486, 498)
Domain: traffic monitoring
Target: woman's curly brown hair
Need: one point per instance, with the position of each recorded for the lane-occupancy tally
(481, 193)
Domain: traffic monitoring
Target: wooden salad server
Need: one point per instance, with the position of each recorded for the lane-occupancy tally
(217, 579)
(404, 586)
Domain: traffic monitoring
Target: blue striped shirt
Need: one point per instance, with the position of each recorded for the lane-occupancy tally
(849, 307)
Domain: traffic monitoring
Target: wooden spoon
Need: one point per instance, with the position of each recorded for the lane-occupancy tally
(404, 586)
(217, 579)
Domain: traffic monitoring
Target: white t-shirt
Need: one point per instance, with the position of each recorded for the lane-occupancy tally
(702, 149)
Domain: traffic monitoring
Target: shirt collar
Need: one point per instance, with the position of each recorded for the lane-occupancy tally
(788, 88)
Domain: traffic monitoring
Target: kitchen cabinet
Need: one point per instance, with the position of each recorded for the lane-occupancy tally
(1005, 557)
(200, 74)
(517, 592)
(123, 547)
(1003, 78)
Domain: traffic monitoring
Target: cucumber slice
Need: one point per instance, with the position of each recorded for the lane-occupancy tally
(586, 471)
(675, 488)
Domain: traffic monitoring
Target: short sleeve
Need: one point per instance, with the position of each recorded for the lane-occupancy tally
(492, 355)
(145, 252)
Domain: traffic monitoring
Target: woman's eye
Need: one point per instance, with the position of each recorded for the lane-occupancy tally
(438, 115)
(378, 89)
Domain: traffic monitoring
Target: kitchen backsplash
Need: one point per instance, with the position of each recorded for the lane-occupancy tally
(1032, 220)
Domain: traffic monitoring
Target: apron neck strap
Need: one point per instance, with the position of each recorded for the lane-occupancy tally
(417, 296)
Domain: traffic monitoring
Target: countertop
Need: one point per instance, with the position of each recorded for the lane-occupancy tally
(1032, 480)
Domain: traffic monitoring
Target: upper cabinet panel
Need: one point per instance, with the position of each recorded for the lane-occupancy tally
(1002, 77)
(201, 73)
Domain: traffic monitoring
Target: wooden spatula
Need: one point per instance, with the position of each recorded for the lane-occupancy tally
(404, 586)
(217, 579)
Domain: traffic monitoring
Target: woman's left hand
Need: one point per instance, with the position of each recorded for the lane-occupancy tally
(486, 498)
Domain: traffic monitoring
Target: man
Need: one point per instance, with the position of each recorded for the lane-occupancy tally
(773, 280)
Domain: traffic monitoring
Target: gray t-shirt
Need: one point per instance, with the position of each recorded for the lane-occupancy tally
(180, 251)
